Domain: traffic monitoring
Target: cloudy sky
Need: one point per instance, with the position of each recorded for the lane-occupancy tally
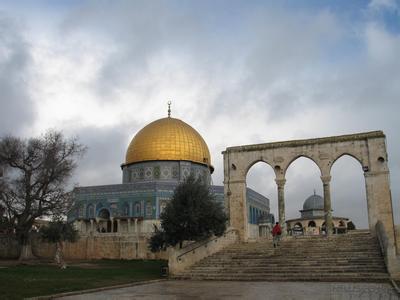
(240, 72)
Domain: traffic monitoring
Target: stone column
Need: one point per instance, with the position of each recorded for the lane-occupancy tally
(236, 194)
(81, 223)
(112, 224)
(137, 237)
(118, 225)
(326, 181)
(129, 225)
(97, 225)
(281, 203)
(91, 225)
(136, 229)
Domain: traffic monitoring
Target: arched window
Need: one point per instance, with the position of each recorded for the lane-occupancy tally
(80, 211)
(137, 209)
(90, 210)
(163, 204)
(125, 209)
(298, 225)
(104, 214)
(311, 224)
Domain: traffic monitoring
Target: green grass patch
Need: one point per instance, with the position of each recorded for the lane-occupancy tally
(22, 281)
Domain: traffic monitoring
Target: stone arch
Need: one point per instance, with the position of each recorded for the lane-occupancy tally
(99, 206)
(348, 173)
(252, 163)
(301, 171)
(298, 227)
(261, 174)
(104, 213)
(339, 156)
(369, 148)
(316, 162)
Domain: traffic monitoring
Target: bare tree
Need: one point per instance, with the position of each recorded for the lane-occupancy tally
(35, 174)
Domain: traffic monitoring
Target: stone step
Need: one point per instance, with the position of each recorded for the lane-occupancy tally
(314, 245)
(309, 249)
(298, 264)
(351, 257)
(296, 255)
(295, 241)
(306, 264)
(285, 252)
(292, 272)
(295, 259)
(331, 277)
(290, 246)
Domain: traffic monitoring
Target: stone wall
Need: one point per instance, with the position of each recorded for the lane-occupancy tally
(9, 248)
(109, 246)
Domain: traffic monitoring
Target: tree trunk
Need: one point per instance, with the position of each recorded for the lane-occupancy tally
(26, 246)
(26, 252)
(58, 257)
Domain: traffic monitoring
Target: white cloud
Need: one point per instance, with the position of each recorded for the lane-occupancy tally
(377, 5)
(268, 74)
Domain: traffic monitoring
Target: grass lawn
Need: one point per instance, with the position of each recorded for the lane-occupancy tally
(21, 281)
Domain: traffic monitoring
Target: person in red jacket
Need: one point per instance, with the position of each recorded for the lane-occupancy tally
(276, 234)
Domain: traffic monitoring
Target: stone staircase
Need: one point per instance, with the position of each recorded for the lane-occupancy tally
(349, 257)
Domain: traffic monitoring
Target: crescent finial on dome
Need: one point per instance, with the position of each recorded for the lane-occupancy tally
(169, 109)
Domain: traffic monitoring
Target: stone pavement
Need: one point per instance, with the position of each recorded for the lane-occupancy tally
(194, 290)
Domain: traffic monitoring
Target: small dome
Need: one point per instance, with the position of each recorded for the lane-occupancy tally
(313, 202)
(168, 139)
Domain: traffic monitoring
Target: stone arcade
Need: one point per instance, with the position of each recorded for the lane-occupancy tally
(367, 148)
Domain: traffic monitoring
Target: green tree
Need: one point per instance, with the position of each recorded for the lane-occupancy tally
(191, 215)
(351, 226)
(58, 232)
(34, 176)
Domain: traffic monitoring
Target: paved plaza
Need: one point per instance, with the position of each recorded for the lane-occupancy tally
(194, 290)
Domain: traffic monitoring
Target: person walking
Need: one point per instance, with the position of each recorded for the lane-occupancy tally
(276, 234)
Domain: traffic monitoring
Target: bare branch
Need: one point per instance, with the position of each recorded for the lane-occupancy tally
(36, 171)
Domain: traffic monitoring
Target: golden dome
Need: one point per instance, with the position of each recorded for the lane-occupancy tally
(168, 139)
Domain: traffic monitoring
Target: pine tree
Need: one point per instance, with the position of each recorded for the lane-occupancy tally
(191, 215)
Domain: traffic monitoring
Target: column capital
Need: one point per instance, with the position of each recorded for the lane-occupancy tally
(326, 179)
(372, 174)
(235, 181)
(280, 182)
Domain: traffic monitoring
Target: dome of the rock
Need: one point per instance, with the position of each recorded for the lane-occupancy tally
(168, 139)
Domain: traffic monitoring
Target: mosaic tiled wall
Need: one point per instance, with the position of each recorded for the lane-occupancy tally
(142, 200)
(164, 171)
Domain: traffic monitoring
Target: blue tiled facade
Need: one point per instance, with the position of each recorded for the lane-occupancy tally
(145, 190)
(144, 200)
